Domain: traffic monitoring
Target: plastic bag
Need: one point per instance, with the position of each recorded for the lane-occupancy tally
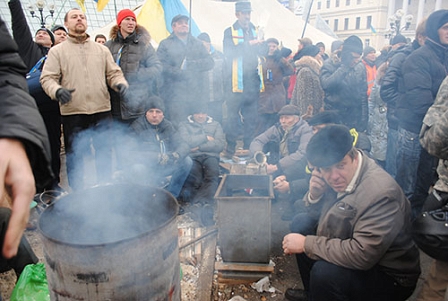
(32, 284)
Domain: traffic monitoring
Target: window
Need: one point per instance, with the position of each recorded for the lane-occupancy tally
(328, 3)
(328, 22)
(336, 23)
(369, 22)
(358, 22)
(319, 5)
(346, 24)
(367, 42)
(358, 1)
(337, 3)
(347, 2)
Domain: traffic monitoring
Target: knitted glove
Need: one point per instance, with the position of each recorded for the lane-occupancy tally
(64, 95)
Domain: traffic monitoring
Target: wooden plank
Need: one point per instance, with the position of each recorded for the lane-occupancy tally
(248, 267)
(206, 270)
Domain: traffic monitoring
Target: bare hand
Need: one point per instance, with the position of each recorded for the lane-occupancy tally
(210, 138)
(17, 177)
(194, 149)
(293, 243)
(271, 168)
(282, 187)
(317, 184)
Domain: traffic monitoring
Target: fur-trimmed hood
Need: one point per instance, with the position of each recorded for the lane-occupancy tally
(139, 35)
(310, 62)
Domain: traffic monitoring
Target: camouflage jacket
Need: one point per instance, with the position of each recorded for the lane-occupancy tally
(434, 134)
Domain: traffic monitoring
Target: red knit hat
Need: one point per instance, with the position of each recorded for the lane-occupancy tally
(123, 14)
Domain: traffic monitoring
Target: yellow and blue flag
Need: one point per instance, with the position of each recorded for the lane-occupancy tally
(373, 29)
(100, 4)
(156, 16)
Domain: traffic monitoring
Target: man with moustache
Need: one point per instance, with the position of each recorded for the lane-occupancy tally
(362, 249)
(77, 74)
(185, 63)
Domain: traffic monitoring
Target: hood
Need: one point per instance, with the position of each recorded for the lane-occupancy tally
(436, 20)
(140, 34)
(190, 119)
(310, 62)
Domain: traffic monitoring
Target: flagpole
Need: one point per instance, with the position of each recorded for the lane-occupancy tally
(307, 18)
(189, 26)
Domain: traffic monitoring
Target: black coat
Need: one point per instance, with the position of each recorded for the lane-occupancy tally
(187, 85)
(30, 52)
(392, 85)
(19, 117)
(423, 72)
(140, 67)
(346, 91)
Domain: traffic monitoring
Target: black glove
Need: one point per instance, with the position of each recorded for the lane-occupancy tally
(64, 95)
(122, 89)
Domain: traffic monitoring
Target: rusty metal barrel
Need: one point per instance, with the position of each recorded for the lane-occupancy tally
(116, 242)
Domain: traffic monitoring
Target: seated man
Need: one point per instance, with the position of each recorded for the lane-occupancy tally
(285, 141)
(206, 140)
(296, 182)
(362, 249)
(161, 151)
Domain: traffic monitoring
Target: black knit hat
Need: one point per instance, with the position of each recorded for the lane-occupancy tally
(329, 146)
(289, 110)
(309, 50)
(436, 20)
(368, 50)
(57, 27)
(352, 44)
(50, 33)
(398, 39)
(204, 37)
(325, 117)
(155, 102)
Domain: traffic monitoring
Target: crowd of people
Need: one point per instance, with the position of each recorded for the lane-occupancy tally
(342, 134)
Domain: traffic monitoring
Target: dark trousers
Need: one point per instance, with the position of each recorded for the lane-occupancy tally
(201, 184)
(80, 132)
(245, 104)
(326, 281)
(25, 254)
(52, 120)
(426, 177)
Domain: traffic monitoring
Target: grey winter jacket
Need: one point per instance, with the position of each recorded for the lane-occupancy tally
(297, 140)
(195, 134)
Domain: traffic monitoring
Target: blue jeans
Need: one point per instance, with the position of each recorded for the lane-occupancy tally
(391, 152)
(408, 157)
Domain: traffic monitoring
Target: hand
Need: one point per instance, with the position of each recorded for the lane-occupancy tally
(282, 187)
(194, 149)
(64, 95)
(317, 185)
(174, 157)
(279, 179)
(122, 89)
(17, 177)
(210, 138)
(271, 168)
(293, 243)
(163, 159)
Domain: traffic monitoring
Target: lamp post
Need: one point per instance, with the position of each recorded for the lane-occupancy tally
(40, 5)
(395, 23)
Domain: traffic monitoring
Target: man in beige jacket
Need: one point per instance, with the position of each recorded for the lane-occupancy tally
(77, 74)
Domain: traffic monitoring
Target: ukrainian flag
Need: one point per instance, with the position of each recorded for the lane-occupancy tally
(156, 16)
(373, 29)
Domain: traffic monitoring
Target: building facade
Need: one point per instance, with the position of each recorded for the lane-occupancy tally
(370, 19)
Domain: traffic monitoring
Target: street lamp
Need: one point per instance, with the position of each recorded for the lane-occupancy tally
(40, 5)
(395, 23)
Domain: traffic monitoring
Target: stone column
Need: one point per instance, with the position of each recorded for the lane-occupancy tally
(438, 5)
(421, 6)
